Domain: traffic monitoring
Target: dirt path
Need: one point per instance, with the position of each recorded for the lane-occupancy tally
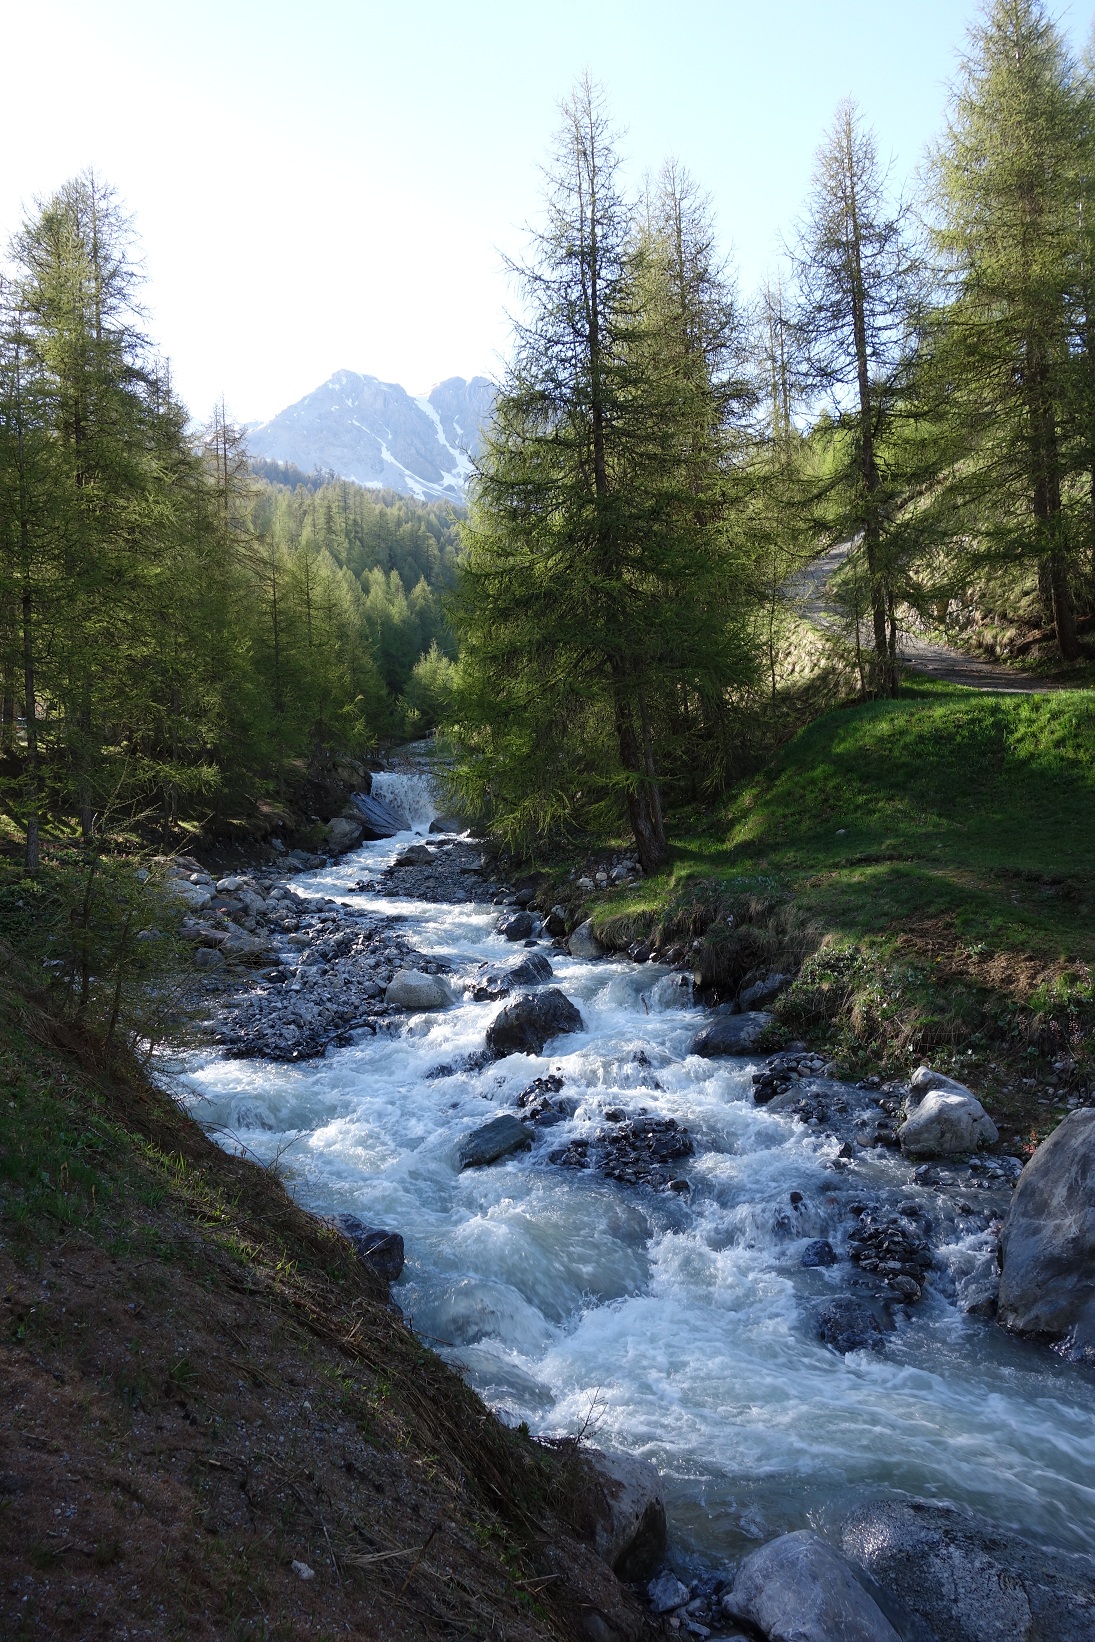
(808, 588)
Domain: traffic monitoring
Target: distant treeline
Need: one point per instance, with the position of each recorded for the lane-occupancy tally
(179, 637)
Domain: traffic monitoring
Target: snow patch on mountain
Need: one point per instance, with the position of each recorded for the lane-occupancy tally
(377, 434)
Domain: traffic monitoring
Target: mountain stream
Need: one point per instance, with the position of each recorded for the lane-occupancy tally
(677, 1326)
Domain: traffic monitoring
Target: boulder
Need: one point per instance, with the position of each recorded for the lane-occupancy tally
(417, 856)
(583, 943)
(377, 820)
(515, 926)
(494, 981)
(969, 1580)
(924, 1080)
(799, 1589)
(381, 1250)
(731, 1034)
(343, 835)
(946, 1123)
(1047, 1246)
(556, 921)
(762, 992)
(667, 1593)
(531, 1020)
(630, 1514)
(493, 1140)
(447, 823)
(208, 957)
(410, 989)
(849, 1325)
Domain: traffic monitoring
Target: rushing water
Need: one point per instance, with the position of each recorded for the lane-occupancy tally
(678, 1329)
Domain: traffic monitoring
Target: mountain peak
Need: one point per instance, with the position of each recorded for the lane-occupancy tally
(377, 434)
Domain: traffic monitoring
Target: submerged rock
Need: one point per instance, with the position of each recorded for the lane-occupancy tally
(634, 1151)
(849, 1325)
(799, 1589)
(970, 1580)
(495, 1139)
(494, 981)
(819, 1252)
(524, 1026)
(731, 1035)
(1047, 1246)
(630, 1514)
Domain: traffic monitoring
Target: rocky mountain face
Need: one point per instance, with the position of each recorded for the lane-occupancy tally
(376, 434)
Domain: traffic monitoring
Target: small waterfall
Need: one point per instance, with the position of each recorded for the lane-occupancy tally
(409, 794)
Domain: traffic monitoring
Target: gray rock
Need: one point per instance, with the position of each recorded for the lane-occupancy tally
(410, 989)
(666, 1593)
(946, 1123)
(495, 1139)
(381, 1250)
(1047, 1247)
(447, 823)
(583, 943)
(377, 820)
(208, 957)
(849, 1325)
(343, 835)
(524, 1026)
(515, 926)
(731, 1035)
(799, 1589)
(924, 1080)
(819, 1252)
(762, 992)
(970, 1580)
(556, 921)
(494, 981)
(630, 1514)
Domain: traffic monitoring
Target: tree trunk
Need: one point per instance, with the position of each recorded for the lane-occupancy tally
(1046, 501)
(644, 810)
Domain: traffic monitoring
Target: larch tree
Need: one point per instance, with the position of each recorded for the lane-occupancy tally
(1009, 195)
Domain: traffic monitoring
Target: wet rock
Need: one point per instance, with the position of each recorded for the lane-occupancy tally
(496, 1139)
(556, 922)
(819, 1252)
(671, 992)
(639, 952)
(666, 1593)
(635, 1152)
(494, 981)
(892, 1251)
(970, 1580)
(1047, 1246)
(848, 1325)
(377, 820)
(731, 1035)
(946, 1123)
(379, 1249)
(540, 1105)
(783, 1072)
(524, 1026)
(583, 943)
(515, 926)
(630, 1514)
(410, 989)
(799, 1589)
(344, 835)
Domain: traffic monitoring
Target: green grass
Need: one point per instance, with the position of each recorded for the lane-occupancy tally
(947, 839)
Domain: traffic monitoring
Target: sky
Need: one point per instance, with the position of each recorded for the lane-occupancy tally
(335, 185)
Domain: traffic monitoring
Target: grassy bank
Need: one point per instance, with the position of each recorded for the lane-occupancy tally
(926, 868)
(206, 1387)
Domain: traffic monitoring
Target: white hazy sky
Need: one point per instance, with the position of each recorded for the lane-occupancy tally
(332, 185)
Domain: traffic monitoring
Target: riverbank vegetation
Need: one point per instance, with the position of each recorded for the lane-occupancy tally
(916, 383)
(924, 870)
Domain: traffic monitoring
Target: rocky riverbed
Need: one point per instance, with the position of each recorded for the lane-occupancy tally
(737, 1264)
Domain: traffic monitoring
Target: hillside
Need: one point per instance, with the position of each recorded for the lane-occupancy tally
(927, 867)
(209, 1393)
(376, 434)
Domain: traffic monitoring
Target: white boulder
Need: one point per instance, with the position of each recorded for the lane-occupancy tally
(410, 989)
(583, 943)
(945, 1123)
